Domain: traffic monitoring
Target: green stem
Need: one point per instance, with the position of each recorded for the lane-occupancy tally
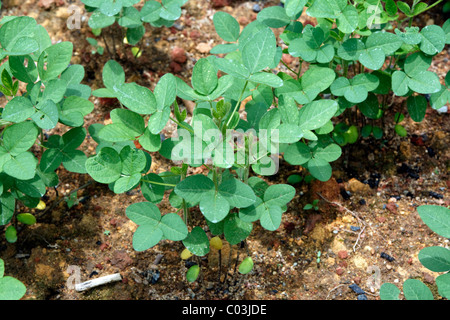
(159, 183)
(289, 68)
(238, 104)
(181, 125)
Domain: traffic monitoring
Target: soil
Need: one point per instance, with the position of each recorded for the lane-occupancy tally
(366, 214)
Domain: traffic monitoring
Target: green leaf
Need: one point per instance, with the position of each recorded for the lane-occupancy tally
(370, 107)
(355, 90)
(404, 7)
(22, 166)
(105, 167)
(351, 49)
(274, 17)
(347, 22)
(436, 259)
(152, 187)
(27, 74)
(246, 265)
(47, 115)
(136, 98)
(150, 142)
(268, 79)
(226, 26)
(319, 169)
(98, 20)
(54, 60)
(416, 290)
(426, 82)
(11, 235)
(197, 242)
(271, 218)
(192, 273)
(165, 91)
(193, 188)
(19, 137)
(11, 289)
(173, 227)
(400, 83)
(433, 40)
(297, 154)
(443, 284)
(237, 193)
(327, 8)
(259, 53)
(236, 230)
(159, 120)
(388, 291)
(204, 77)
(113, 75)
(411, 35)
(214, 206)
(330, 153)
(7, 208)
(254, 212)
(133, 121)
(317, 113)
(437, 218)
(146, 236)
(417, 106)
(144, 213)
(279, 195)
(391, 7)
(294, 7)
(18, 109)
(15, 31)
(26, 218)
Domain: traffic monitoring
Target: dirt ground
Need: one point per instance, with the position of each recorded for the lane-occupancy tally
(376, 188)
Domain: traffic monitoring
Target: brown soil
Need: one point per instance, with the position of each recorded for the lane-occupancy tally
(96, 236)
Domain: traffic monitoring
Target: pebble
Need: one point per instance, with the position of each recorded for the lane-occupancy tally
(203, 47)
(343, 254)
(362, 297)
(387, 257)
(353, 228)
(356, 289)
(256, 8)
(178, 55)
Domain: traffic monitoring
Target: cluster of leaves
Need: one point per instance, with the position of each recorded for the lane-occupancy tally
(355, 41)
(436, 259)
(107, 13)
(52, 93)
(10, 288)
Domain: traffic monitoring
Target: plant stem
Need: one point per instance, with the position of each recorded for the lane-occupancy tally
(159, 183)
(181, 125)
(238, 104)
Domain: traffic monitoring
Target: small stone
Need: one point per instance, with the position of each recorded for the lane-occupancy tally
(256, 8)
(381, 219)
(428, 278)
(175, 67)
(195, 34)
(357, 280)
(287, 58)
(356, 289)
(178, 55)
(362, 297)
(343, 254)
(339, 271)
(219, 3)
(387, 257)
(392, 207)
(203, 47)
(357, 187)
